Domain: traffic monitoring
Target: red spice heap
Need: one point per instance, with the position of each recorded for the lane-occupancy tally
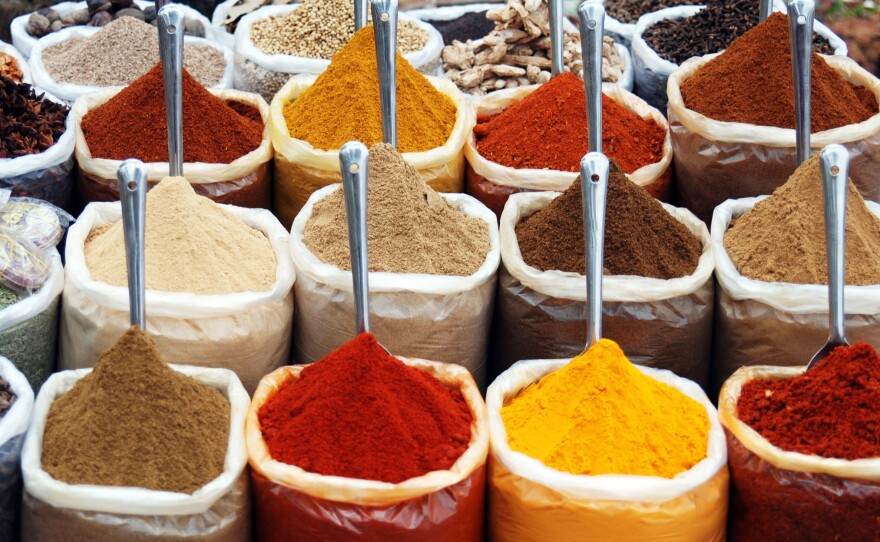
(548, 130)
(132, 124)
(361, 413)
(830, 410)
(751, 82)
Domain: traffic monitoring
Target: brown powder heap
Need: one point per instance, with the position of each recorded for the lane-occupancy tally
(751, 82)
(136, 422)
(410, 227)
(192, 245)
(641, 237)
(782, 238)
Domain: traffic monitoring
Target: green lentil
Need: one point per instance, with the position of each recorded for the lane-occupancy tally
(8, 297)
(31, 345)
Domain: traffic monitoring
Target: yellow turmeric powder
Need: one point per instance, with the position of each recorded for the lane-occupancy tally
(343, 104)
(600, 415)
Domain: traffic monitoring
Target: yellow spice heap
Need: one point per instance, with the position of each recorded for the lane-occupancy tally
(601, 415)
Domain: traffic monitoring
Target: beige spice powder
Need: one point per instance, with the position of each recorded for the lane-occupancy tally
(192, 245)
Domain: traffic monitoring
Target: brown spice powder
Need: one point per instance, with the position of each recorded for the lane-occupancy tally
(641, 237)
(134, 421)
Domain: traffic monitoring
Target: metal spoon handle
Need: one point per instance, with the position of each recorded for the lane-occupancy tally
(360, 14)
(161, 3)
(800, 22)
(835, 172)
(132, 177)
(594, 184)
(556, 58)
(171, 29)
(353, 158)
(764, 9)
(592, 26)
(385, 25)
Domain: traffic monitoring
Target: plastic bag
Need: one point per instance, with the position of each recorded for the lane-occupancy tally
(37, 221)
(48, 175)
(23, 266)
(256, 71)
(777, 323)
(29, 327)
(492, 183)
(442, 317)
(778, 495)
(12, 430)
(659, 323)
(300, 169)
(247, 332)
(69, 92)
(716, 161)
(441, 506)
(25, 43)
(529, 501)
(219, 511)
(20, 61)
(245, 182)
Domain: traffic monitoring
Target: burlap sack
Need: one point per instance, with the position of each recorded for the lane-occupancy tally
(784, 324)
(441, 506)
(492, 183)
(542, 314)
(716, 161)
(300, 169)
(245, 182)
(530, 502)
(780, 496)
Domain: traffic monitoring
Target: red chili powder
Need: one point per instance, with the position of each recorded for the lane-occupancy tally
(132, 124)
(751, 82)
(362, 413)
(830, 411)
(548, 130)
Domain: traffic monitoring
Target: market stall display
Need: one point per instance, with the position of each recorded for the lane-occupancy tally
(16, 410)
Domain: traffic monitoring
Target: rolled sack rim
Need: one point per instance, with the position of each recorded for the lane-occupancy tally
(16, 420)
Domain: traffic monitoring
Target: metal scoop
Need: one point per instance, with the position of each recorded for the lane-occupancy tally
(557, 62)
(360, 14)
(835, 172)
(592, 26)
(594, 185)
(800, 24)
(132, 177)
(172, 21)
(764, 9)
(385, 28)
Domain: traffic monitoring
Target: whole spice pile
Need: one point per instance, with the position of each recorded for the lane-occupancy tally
(121, 52)
(7, 397)
(9, 68)
(410, 228)
(100, 13)
(472, 25)
(219, 252)
(629, 11)
(641, 237)
(362, 413)
(782, 238)
(212, 131)
(829, 411)
(320, 28)
(326, 116)
(517, 52)
(134, 421)
(711, 30)
(600, 415)
(548, 130)
(751, 83)
(29, 123)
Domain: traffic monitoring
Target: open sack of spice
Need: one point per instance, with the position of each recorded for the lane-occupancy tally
(433, 259)
(275, 42)
(226, 146)
(13, 65)
(509, 150)
(16, 410)
(218, 284)
(732, 119)
(397, 446)
(313, 116)
(770, 259)
(562, 468)
(147, 473)
(803, 448)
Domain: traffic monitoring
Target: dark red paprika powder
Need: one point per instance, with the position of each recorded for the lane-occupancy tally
(362, 413)
(548, 130)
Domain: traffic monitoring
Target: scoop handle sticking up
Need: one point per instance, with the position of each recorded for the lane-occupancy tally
(557, 62)
(360, 14)
(353, 157)
(132, 177)
(765, 7)
(592, 26)
(835, 175)
(172, 21)
(800, 24)
(594, 185)
(385, 28)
